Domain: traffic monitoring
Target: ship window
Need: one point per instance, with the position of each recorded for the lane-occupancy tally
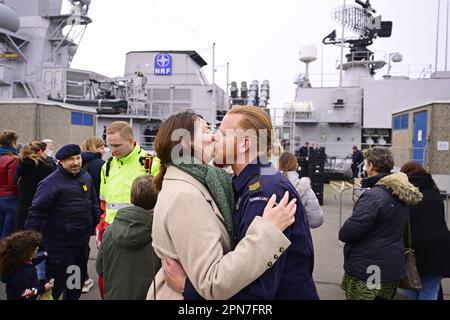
(401, 122)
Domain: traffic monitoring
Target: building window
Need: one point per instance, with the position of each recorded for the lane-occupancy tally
(77, 118)
(82, 119)
(400, 122)
(88, 120)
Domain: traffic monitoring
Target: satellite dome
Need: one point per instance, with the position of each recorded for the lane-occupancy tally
(9, 19)
(308, 53)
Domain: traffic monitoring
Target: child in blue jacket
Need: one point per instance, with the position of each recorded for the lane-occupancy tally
(17, 266)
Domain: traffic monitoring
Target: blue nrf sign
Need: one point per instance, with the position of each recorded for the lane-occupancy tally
(163, 64)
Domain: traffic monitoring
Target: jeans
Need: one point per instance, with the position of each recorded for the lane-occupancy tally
(429, 291)
(8, 206)
(40, 268)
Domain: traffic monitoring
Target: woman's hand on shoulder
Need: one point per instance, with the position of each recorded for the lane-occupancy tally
(282, 215)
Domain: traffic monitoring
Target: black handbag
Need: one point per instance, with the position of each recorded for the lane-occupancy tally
(411, 280)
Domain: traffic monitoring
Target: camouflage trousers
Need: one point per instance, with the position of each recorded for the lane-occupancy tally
(356, 289)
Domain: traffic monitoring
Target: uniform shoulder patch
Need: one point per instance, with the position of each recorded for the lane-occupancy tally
(255, 185)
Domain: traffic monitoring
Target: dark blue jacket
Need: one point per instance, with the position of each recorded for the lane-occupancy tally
(92, 163)
(65, 209)
(25, 277)
(357, 157)
(291, 276)
(373, 235)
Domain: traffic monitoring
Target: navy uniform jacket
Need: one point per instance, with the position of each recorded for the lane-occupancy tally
(291, 275)
(65, 209)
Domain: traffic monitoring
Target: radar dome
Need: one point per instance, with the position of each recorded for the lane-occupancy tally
(308, 53)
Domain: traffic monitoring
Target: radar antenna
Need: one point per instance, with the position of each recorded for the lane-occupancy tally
(361, 20)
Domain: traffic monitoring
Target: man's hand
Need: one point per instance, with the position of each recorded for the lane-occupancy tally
(174, 274)
(283, 215)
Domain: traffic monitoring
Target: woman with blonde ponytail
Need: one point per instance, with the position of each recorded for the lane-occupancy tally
(31, 170)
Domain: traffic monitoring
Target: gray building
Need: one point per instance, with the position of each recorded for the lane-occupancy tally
(35, 119)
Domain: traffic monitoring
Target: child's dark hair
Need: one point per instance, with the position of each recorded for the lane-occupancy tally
(143, 192)
(16, 249)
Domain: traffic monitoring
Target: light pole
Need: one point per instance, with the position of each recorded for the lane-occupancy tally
(342, 46)
(214, 119)
(437, 37)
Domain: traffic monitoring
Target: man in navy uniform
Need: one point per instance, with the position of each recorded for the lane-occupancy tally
(244, 142)
(249, 131)
(65, 210)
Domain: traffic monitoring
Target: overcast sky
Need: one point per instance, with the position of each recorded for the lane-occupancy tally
(259, 38)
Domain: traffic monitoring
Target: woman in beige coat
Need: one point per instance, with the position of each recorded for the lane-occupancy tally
(192, 218)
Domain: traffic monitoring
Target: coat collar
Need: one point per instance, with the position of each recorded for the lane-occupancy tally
(69, 174)
(251, 170)
(176, 174)
(133, 154)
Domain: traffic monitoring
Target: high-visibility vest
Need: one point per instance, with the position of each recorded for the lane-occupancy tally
(118, 175)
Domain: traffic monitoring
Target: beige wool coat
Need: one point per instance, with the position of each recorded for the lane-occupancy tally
(188, 226)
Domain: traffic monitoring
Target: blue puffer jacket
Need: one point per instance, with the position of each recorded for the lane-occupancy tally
(65, 209)
(373, 235)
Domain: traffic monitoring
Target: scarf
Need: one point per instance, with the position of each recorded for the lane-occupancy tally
(5, 151)
(219, 185)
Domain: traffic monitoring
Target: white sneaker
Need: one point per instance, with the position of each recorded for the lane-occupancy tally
(87, 285)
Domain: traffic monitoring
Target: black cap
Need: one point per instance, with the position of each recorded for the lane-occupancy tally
(68, 151)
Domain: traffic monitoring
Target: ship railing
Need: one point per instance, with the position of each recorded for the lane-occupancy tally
(411, 71)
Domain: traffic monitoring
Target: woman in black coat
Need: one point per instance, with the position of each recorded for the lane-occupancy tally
(429, 232)
(93, 149)
(31, 170)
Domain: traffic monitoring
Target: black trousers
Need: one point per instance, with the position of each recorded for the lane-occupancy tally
(69, 269)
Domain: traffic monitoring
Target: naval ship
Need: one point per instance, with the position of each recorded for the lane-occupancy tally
(37, 46)
(357, 110)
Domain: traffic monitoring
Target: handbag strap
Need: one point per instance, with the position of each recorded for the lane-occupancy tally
(408, 232)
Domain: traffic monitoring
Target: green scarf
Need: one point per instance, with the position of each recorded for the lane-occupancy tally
(219, 185)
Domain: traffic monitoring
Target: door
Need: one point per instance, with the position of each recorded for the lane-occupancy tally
(420, 136)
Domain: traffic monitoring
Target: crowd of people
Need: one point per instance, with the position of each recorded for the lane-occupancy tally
(175, 225)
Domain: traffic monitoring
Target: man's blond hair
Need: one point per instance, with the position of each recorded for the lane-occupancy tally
(255, 118)
(122, 127)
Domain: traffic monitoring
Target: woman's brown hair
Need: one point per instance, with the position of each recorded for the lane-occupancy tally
(31, 151)
(412, 168)
(164, 142)
(287, 162)
(16, 249)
